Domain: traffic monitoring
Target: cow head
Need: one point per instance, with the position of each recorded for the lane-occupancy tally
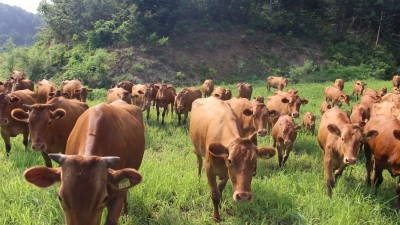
(8, 85)
(240, 158)
(350, 136)
(382, 91)
(57, 93)
(127, 85)
(7, 103)
(16, 83)
(81, 94)
(344, 98)
(180, 99)
(288, 132)
(125, 96)
(294, 102)
(92, 186)
(40, 118)
(209, 85)
(359, 86)
(324, 106)
(260, 99)
(339, 83)
(260, 115)
(311, 118)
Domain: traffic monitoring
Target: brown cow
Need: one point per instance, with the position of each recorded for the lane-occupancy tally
(309, 122)
(324, 106)
(396, 80)
(9, 126)
(216, 135)
(75, 89)
(339, 84)
(360, 113)
(50, 124)
(118, 93)
(369, 100)
(373, 93)
(44, 87)
(21, 84)
(284, 134)
(336, 96)
(183, 102)
(208, 88)
(57, 93)
(104, 151)
(244, 90)
(340, 141)
(253, 117)
(222, 93)
(127, 85)
(165, 96)
(358, 88)
(17, 74)
(383, 91)
(387, 108)
(142, 96)
(6, 86)
(260, 99)
(385, 149)
(391, 97)
(396, 90)
(277, 82)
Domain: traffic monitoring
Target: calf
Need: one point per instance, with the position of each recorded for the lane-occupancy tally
(208, 88)
(165, 96)
(244, 90)
(382, 152)
(103, 153)
(358, 88)
(309, 122)
(44, 87)
(324, 106)
(284, 134)
(75, 90)
(396, 80)
(360, 113)
(184, 100)
(339, 84)
(216, 135)
(336, 96)
(277, 82)
(50, 124)
(340, 141)
(9, 126)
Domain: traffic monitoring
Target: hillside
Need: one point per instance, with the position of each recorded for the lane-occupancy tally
(18, 24)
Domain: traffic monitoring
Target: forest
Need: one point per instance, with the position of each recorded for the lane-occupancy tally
(103, 42)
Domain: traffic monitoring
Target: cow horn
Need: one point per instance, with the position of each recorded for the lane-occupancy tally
(59, 158)
(26, 107)
(110, 160)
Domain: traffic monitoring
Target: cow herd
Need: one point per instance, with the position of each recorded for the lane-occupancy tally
(96, 171)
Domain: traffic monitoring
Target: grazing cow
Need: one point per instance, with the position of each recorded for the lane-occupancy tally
(75, 90)
(386, 108)
(284, 134)
(127, 85)
(358, 88)
(324, 106)
(336, 96)
(104, 151)
(385, 150)
(118, 93)
(50, 124)
(165, 96)
(396, 80)
(285, 104)
(253, 117)
(21, 84)
(309, 122)
(183, 102)
(9, 126)
(260, 99)
(360, 113)
(277, 82)
(216, 135)
(208, 88)
(340, 141)
(44, 87)
(339, 84)
(244, 90)
(222, 93)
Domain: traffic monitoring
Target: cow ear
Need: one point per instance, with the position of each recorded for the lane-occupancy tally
(370, 134)
(124, 179)
(218, 150)
(334, 129)
(304, 101)
(20, 115)
(141, 92)
(396, 134)
(51, 94)
(217, 95)
(273, 113)
(76, 91)
(247, 112)
(14, 100)
(266, 152)
(285, 100)
(42, 176)
(361, 124)
(58, 114)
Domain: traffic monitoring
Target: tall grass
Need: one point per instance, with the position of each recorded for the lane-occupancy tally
(172, 193)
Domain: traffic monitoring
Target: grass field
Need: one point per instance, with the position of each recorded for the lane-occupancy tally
(171, 192)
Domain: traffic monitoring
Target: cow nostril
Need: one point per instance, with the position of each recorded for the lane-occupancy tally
(350, 160)
(262, 132)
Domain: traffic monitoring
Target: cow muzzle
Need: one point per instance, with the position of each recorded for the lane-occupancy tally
(350, 160)
(38, 146)
(295, 115)
(3, 121)
(262, 132)
(242, 196)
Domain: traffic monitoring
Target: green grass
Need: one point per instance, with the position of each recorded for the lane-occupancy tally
(171, 192)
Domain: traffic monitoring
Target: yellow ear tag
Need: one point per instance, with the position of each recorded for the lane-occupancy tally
(124, 183)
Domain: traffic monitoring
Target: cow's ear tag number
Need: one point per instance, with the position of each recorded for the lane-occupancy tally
(124, 183)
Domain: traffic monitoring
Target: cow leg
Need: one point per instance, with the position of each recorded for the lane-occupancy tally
(253, 139)
(378, 178)
(163, 114)
(330, 180)
(339, 171)
(185, 117)
(158, 112)
(368, 163)
(215, 193)
(179, 118)
(280, 157)
(7, 142)
(199, 163)
(25, 141)
(286, 156)
(148, 114)
(398, 193)
(114, 208)
(47, 159)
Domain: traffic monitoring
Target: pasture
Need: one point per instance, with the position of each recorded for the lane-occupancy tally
(172, 193)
